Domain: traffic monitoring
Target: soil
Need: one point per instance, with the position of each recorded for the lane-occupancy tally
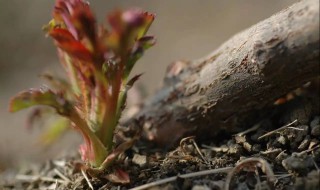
(282, 151)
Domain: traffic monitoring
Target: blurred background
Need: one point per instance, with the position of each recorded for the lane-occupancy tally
(185, 30)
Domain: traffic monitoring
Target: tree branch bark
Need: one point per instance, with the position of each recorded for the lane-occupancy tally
(245, 74)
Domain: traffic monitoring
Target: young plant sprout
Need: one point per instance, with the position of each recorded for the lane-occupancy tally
(98, 62)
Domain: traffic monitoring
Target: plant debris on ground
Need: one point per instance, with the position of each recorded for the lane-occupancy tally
(280, 152)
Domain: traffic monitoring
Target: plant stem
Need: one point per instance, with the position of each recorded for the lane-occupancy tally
(99, 151)
(111, 116)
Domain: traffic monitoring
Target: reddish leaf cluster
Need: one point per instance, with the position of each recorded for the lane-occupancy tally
(98, 62)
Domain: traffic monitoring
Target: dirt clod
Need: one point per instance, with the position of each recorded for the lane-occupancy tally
(140, 160)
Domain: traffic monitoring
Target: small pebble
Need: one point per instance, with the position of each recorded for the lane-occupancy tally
(281, 140)
(247, 146)
(240, 139)
(315, 130)
(140, 160)
(234, 149)
(315, 121)
(281, 156)
(313, 143)
(304, 144)
(256, 148)
(298, 163)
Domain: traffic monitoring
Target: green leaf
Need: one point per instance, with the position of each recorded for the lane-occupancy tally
(132, 81)
(55, 131)
(137, 52)
(147, 21)
(34, 97)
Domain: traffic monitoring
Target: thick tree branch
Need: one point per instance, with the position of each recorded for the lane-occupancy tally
(245, 74)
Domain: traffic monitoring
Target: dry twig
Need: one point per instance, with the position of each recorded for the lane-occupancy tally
(61, 175)
(87, 179)
(255, 127)
(277, 130)
(191, 139)
(190, 175)
(251, 164)
(33, 178)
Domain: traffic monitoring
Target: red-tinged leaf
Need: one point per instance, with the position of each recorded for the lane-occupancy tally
(92, 150)
(115, 21)
(98, 64)
(85, 152)
(61, 35)
(64, 11)
(127, 26)
(138, 20)
(85, 23)
(116, 152)
(118, 176)
(57, 83)
(66, 41)
(133, 18)
(34, 97)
